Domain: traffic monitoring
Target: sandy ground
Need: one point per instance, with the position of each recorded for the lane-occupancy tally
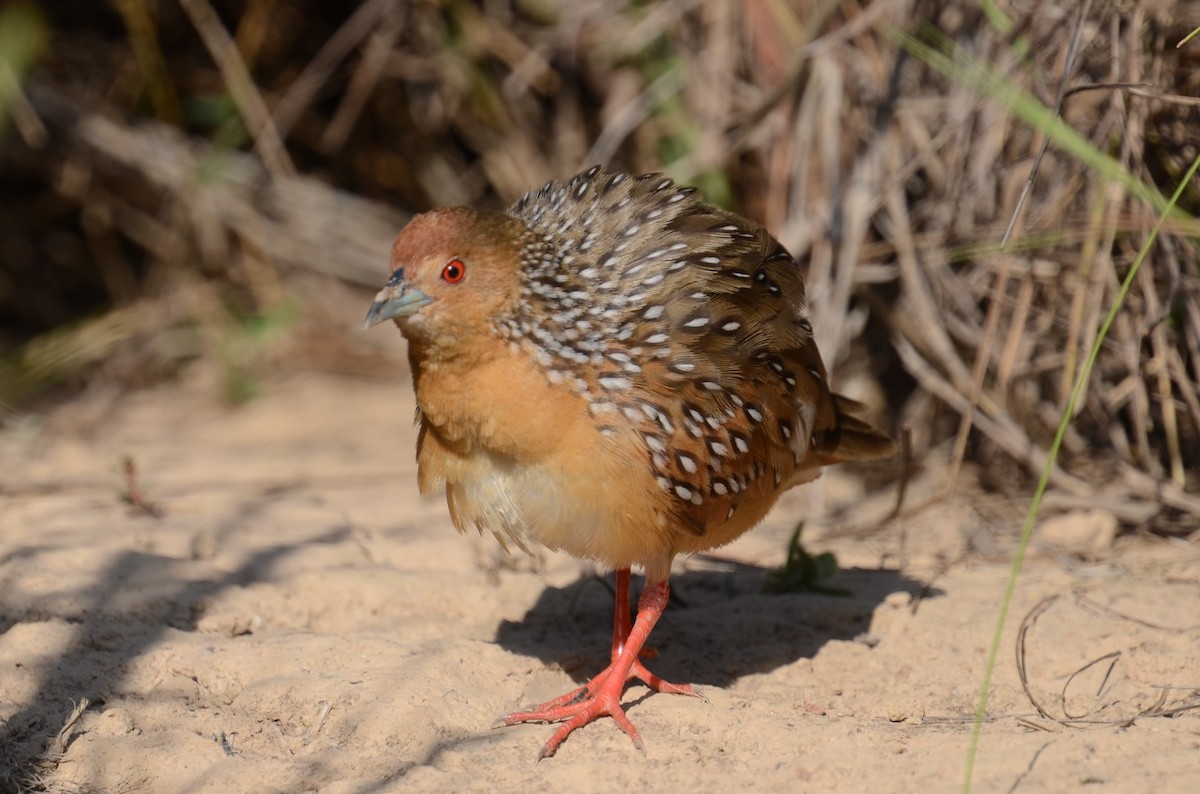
(298, 619)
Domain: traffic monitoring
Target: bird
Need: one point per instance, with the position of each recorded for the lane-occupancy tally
(618, 370)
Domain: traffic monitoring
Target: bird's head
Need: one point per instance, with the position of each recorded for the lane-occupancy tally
(454, 271)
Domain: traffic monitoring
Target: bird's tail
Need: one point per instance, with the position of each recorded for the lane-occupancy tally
(853, 438)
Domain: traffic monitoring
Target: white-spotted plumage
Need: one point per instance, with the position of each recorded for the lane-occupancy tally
(680, 326)
(701, 317)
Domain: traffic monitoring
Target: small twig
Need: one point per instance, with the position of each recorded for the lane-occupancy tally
(1027, 624)
(304, 88)
(905, 473)
(1162, 348)
(134, 496)
(1114, 656)
(1029, 767)
(1158, 710)
(1163, 492)
(1068, 67)
(24, 117)
(362, 84)
(280, 738)
(326, 706)
(241, 87)
(1137, 89)
(1034, 726)
(979, 371)
(627, 119)
(58, 744)
(1096, 608)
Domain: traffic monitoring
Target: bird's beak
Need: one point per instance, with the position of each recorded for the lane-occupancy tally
(396, 299)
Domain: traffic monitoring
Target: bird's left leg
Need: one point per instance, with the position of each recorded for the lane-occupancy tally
(602, 695)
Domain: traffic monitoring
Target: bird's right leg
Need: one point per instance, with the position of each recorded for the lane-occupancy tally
(621, 626)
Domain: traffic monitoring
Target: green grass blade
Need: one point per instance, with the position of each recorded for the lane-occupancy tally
(1052, 456)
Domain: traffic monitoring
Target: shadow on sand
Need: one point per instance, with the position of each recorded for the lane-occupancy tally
(718, 627)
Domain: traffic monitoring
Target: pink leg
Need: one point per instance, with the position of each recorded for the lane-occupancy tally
(602, 695)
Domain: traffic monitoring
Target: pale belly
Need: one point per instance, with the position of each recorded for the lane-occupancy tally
(586, 516)
(589, 497)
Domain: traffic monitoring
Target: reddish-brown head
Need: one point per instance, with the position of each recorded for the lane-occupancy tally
(454, 271)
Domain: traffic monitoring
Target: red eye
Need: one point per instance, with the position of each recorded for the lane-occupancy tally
(454, 271)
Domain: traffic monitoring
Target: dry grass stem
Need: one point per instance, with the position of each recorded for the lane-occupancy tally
(892, 181)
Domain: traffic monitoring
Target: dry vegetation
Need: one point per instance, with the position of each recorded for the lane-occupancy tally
(181, 177)
(191, 179)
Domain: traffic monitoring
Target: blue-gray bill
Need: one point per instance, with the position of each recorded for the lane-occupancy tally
(396, 299)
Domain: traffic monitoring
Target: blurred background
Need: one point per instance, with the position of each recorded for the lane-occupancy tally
(216, 183)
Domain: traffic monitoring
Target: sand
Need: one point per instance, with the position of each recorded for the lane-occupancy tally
(299, 619)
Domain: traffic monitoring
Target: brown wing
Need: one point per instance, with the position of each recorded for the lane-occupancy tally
(684, 325)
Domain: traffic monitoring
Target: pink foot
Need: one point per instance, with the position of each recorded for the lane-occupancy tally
(601, 696)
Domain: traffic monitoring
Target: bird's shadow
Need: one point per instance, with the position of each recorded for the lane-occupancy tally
(719, 626)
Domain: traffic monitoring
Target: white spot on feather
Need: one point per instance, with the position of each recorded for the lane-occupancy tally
(613, 382)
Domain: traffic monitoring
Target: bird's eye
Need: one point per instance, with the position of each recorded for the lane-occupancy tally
(454, 271)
